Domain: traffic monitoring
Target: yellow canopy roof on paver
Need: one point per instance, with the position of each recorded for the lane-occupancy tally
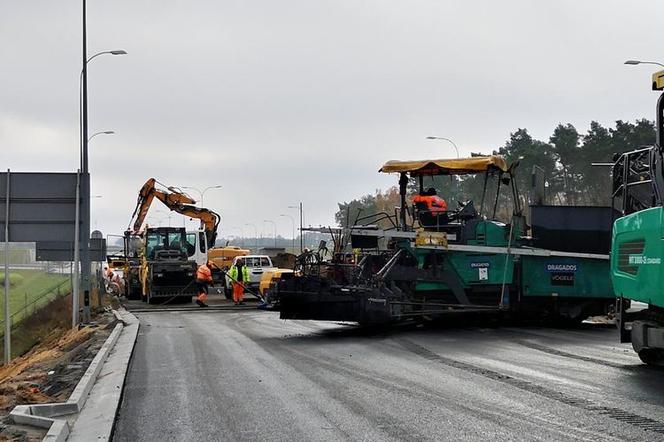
(456, 166)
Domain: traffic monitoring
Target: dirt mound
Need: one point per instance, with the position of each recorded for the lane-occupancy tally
(45, 354)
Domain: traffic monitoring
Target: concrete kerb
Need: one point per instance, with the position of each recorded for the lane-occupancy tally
(43, 415)
(96, 421)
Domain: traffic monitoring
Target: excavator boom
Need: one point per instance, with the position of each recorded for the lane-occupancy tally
(176, 201)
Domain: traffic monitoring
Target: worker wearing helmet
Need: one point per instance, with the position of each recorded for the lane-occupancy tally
(239, 274)
(435, 204)
(203, 280)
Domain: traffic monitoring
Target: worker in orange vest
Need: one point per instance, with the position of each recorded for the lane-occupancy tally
(435, 204)
(203, 280)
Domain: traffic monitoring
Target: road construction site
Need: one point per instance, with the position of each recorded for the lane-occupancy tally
(246, 375)
(488, 316)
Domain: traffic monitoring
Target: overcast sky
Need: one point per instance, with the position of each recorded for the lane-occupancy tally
(301, 100)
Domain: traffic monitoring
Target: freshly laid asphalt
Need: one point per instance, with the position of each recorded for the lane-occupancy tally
(246, 375)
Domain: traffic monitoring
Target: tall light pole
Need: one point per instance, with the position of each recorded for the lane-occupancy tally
(274, 226)
(446, 139)
(202, 194)
(293, 224)
(86, 267)
(301, 222)
(255, 233)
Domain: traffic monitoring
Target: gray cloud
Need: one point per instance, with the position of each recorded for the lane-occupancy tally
(298, 100)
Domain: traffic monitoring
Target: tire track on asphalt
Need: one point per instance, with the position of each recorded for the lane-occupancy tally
(553, 351)
(624, 416)
(244, 407)
(406, 388)
(310, 367)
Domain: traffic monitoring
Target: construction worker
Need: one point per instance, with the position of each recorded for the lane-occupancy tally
(435, 204)
(117, 280)
(203, 279)
(239, 275)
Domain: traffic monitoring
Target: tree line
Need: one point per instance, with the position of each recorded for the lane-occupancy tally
(566, 160)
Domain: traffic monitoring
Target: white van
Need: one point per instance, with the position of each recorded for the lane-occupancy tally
(256, 265)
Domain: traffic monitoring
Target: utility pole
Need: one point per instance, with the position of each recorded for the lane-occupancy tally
(8, 325)
(75, 304)
(86, 267)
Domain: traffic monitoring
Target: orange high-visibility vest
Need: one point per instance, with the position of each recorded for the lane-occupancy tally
(204, 273)
(435, 204)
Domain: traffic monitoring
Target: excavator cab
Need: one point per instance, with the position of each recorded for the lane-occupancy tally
(164, 243)
(167, 271)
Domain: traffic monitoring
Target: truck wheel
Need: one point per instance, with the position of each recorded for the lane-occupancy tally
(651, 356)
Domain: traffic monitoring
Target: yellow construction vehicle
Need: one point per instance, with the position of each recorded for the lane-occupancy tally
(223, 257)
(169, 256)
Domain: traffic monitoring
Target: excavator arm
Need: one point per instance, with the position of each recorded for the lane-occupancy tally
(209, 219)
(176, 201)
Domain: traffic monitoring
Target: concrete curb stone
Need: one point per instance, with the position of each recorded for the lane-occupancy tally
(44, 415)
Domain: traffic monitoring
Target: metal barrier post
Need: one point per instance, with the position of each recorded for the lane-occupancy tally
(8, 327)
(77, 248)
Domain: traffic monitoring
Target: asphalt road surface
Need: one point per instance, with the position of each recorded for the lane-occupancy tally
(246, 375)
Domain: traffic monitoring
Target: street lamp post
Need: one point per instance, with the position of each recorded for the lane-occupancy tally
(301, 222)
(274, 226)
(293, 225)
(446, 139)
(85, 181)
(202, 194)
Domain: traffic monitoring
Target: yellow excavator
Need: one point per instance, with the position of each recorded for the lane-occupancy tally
(162, 261)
